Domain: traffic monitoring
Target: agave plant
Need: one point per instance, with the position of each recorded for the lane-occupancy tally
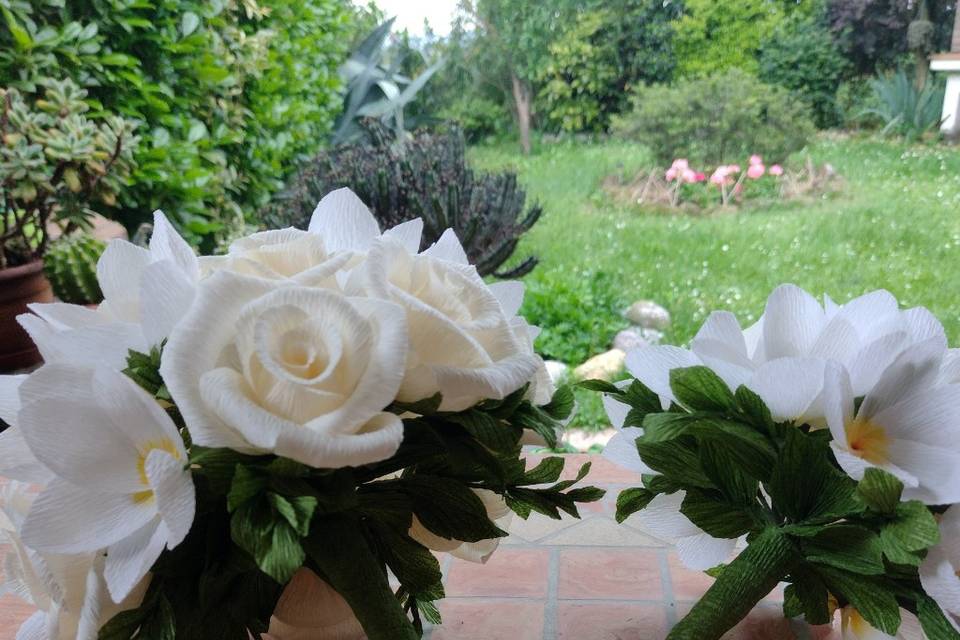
(903, 108)
(425, 175)
(375, 90)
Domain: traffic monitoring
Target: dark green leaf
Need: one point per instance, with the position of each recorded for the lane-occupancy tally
(548, 470)
(736, 486)
(297, 511)
(880, 490)
(247, 485)
(562, 403)
(414, 566)
(641, 398)
(537, 420)
(753, 408)
(425, 407)
(871, 597)
(807, 596)
(716, 516)
(448, 508)
(493, 433)
(676, 460)
(933, 621)
(160, 623)
(912, 530)
(632, 500)
(700, 389)
(848, 547)
(599, 385)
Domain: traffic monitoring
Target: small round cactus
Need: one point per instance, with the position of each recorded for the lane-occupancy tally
(71, 267)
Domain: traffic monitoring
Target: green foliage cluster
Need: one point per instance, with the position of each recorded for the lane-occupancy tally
(715, 120)
(715, 36)
(802, 56)
(806, 521)
(230, 93)
(578, 316)
(70, 265)
(903, 108)
(422, 176)
(261, 518)
(57, 161)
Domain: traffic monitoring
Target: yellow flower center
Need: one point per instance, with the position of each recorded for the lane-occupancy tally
(856, 623)
(164, 445)
(869, 441)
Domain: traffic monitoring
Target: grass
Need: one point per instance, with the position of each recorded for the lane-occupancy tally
(895, 225)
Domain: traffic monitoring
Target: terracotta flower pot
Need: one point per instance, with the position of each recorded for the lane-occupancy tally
(20, 286)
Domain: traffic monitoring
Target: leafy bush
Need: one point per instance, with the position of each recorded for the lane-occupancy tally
(717, 120)
(231, 94)
(714, 36)
(855, 103)
(57, 162)
(425, 176)
(478, 117)
(578, 317)
(904, 109)
(801, 56)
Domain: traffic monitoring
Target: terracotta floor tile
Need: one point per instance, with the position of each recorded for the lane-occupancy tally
(610, 574)
(601, 532)
(489, 620)
(511, 572)
(611, 621)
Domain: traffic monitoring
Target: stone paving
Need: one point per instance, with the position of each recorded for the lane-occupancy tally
(588, 579)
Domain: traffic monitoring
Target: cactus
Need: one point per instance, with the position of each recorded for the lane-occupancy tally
(71, 267)
(425, 176)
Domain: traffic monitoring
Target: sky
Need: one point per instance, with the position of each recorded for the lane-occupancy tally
(411, 13)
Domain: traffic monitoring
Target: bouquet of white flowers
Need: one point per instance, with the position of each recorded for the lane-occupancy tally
(260, 442)
(825, 437)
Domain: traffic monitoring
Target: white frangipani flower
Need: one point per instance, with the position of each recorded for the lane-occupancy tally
(854, 627)
(16, 459)
(622, 447)
(122, 482)
(907, 425)
(310, 609)
(940, 571)
(304, 373)
(497, 511)
(146, 292)
(696, 548)
(68, 591)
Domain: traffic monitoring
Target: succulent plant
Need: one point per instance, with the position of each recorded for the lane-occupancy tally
(424, 175)
(56, 163)
(70, 265)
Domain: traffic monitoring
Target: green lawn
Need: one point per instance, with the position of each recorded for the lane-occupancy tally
(894, 225)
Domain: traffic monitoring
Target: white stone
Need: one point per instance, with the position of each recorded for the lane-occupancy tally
(631, 338)
(605, 366)
(648, 314)
(556, 370)
(652, 336)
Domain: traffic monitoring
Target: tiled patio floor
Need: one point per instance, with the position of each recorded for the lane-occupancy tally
(588, 579)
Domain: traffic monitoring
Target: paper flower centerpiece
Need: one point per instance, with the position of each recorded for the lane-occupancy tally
(825, 440)
(302, 416)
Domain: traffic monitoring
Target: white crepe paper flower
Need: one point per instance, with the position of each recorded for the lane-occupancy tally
(67, 591)
(854, 627)
(463, 341)
(906, 425)
(310, 609)
(940, 571)
(497, 511)
(622, 447)
(146, 292)
(121, 479)
(304, 373)
(697, 549)
(16, 460)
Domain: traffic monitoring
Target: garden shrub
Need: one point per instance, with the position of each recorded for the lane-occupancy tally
(230, 94)
(477, 116)
(903, 108)
(717, 120)
(420, 176)
(578, 316)
(800, 55)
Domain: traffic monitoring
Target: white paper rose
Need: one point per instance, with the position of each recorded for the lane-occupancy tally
(304, 373)
(463, 341)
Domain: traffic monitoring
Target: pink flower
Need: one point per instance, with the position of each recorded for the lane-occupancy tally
(671, 174)
(699, 177)
(733, 168)
(689, 175)
(755, 159)
(756, 171)
(680, 164)
(720, 176)
(776, 170)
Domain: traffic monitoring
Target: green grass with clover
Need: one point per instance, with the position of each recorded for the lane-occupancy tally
(894, 225)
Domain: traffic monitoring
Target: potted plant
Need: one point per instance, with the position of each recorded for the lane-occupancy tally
(56, 162)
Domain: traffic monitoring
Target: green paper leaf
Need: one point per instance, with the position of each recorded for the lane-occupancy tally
(880, 490)
(537, 420)
(247, 485)
(912, 530)
(848, 547)
(735, 485)
(700, 389)
(296, 511)
(492, 433)
(676, 460)
(599, 385)
(449, 509)
(548, 470)
(717, 517)
(641, 398)
(753, 408)
(425, 407)
(562, 403)
(933, 621)
(632, 500)
(807, 596)
(870, 596)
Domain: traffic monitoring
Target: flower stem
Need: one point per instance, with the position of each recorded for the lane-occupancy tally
(740, 586)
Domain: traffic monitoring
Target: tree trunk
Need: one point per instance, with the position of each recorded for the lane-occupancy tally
(922, 64)
(522, 100)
